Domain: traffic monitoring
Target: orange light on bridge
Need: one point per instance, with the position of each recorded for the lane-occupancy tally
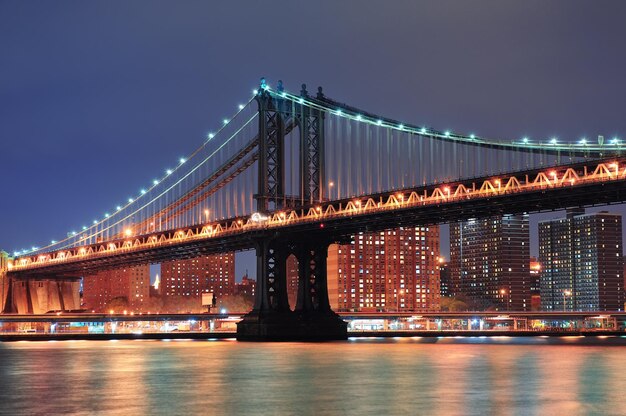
(572, 181)
(357, 203)
(552, 173)
(318, 209)
(400, 197)
(82, 251)
(128, 232)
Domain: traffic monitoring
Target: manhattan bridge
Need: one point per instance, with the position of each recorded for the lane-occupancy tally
(292, 173)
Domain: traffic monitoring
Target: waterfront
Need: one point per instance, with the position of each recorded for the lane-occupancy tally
(424, 376)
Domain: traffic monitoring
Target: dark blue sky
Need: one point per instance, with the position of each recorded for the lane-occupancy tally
(96, 98)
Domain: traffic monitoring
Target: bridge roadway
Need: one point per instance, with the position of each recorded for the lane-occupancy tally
(598, 182)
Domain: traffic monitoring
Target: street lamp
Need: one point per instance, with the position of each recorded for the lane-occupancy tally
(566, 293)
(330, 189)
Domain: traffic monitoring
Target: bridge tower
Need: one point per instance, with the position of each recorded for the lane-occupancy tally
(271, 317)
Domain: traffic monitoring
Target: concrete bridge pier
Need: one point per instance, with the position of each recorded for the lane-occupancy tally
(41, 295)
(271, 318)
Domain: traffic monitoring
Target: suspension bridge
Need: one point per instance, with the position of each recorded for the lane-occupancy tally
(292, 173)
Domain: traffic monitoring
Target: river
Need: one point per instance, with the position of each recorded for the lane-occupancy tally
(446, 376)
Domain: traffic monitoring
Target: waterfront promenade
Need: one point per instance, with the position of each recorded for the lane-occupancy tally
(64, 326)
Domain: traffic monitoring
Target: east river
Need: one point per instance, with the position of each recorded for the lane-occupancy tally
(445, 376)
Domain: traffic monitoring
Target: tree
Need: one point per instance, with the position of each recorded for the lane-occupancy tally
(235, 303)
(117, 305)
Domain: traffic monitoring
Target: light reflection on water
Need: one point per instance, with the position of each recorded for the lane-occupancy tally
(419, 376)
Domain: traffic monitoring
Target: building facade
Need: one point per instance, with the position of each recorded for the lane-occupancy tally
(582, 261)
(247, 287)
(535, 288)
(130, 283)
(394, 270)
(192, 277)
(444, 278)
(489, 262)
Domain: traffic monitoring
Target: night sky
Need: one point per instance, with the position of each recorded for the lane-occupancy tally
(98, 97)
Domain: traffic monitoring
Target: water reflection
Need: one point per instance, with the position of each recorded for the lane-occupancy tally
(408, 376)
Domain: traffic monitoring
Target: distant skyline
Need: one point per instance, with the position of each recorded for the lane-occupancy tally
(98, 97)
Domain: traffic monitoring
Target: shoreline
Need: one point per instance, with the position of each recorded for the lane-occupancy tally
(351, 335)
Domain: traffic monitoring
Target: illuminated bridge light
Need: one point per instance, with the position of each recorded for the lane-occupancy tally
(225, 121)
(339, 112)
(241, 106)
(554, 141)
(155, 182)
(95, 222)
(472, 136)
(128, 232)
(583, 141)
(118, 208)
(255, 92)
(423, 130)
(447, 133)
(143, 192)
(84, 227)
(211, 135)
(53, 242)
(379, 122)
(168, 171)
(525, 139)
(182, 160)
(401, 126)
(131, 200)
(106, 215)
(358, 117)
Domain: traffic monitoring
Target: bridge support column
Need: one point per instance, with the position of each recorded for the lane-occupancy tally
(39, 296)
(271, 319)
(312, 306)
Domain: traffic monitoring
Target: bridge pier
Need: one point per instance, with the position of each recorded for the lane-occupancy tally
(271, 319)
(39, 296)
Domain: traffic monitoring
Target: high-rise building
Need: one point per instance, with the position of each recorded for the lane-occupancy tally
(130, 283)
(192, 277)
(582, 261)
(489, 262)
(535, 291)
(394, 270)
(444, 277)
